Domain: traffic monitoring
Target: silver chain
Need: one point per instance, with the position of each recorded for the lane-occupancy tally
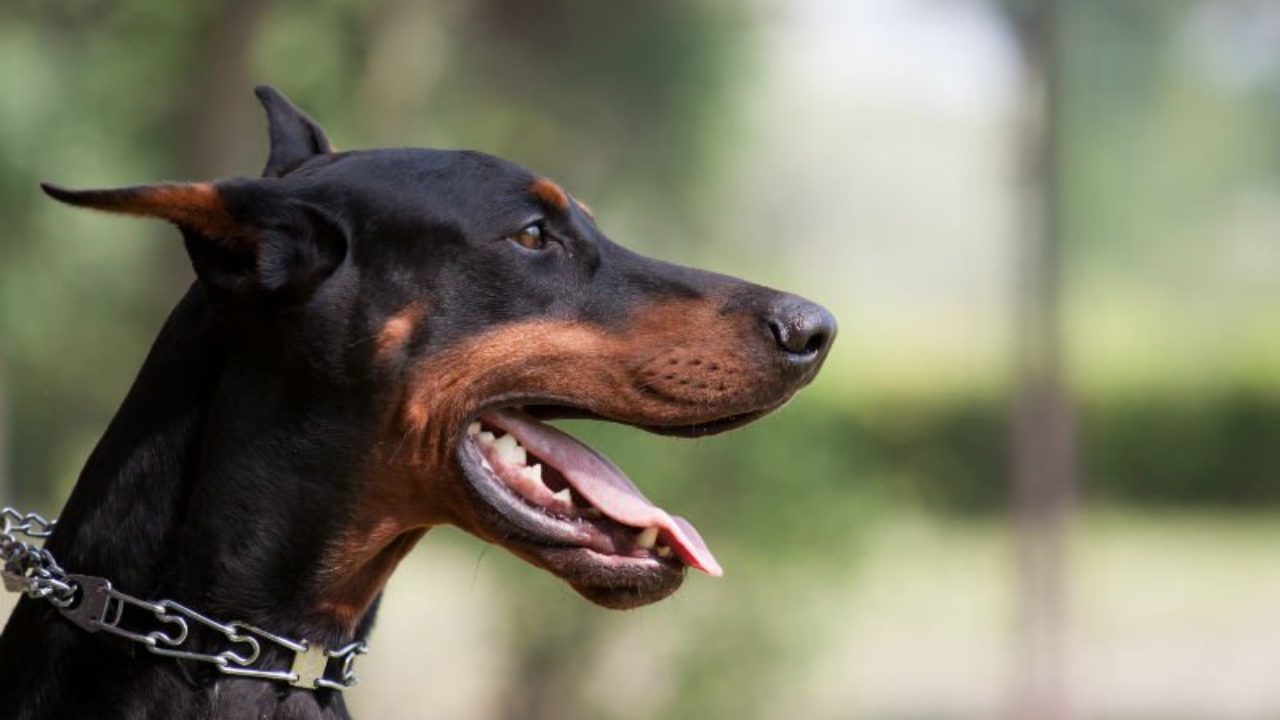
(93, 604)
(29, 569)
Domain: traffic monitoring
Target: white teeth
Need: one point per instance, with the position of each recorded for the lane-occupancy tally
(473, 428)
(484, 438)
(564, 496)
(533, 472)
(664, 551)
(647, 538)
(510, 451)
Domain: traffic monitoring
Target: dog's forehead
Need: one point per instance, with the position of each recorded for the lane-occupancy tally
(411, 175)
(478, 194)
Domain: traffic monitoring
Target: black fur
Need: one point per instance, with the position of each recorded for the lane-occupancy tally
(234, 461)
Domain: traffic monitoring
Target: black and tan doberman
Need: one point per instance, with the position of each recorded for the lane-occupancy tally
(372, 347)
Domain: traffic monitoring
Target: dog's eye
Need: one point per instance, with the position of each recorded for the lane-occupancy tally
(531, 237)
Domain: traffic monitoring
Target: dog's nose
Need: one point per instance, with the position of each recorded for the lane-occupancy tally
(803, 330)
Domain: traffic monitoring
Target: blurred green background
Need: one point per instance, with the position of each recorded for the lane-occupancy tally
(1050, 231)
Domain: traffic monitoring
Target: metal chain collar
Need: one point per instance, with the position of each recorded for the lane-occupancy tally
(93, 604)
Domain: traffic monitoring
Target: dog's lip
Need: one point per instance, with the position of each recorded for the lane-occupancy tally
(552, 410)
(529, 531)
(528, 525)
(603, 485)
(612, 581)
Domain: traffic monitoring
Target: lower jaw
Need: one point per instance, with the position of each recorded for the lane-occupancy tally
(599, 560)
(611, 581)
(578, 556)
(524, 525)
(518, 521)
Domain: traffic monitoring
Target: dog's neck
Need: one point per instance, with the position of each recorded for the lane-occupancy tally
(133, 495)
(203, 490)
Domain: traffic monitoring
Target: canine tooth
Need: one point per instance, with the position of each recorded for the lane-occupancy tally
(473, 428)
(564, 496)
(533, 472)
(509, 450)
(664, 551)
(485, 438)
(647, 538)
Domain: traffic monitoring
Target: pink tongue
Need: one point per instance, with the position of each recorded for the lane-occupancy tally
(605, 485)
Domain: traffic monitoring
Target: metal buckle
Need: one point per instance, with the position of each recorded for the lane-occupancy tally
(347, 674)
(90, 607)
(309, 666)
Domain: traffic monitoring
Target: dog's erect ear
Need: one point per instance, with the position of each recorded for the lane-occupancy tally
(245, 237)
(194, 206)
(294, 136)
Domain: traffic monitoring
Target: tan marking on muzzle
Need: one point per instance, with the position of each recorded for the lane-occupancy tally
(414, 481)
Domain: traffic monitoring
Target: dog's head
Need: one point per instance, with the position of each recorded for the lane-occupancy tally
(451, 303)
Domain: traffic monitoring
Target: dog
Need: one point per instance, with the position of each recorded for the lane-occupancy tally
(372, 346)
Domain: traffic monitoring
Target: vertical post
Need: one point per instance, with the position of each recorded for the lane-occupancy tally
(8, 493)
(1043, 433)
(217, 112)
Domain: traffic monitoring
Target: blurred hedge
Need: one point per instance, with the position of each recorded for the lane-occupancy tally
(1222, 449)
(1206, 449)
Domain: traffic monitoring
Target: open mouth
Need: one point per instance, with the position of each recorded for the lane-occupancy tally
(560, 494)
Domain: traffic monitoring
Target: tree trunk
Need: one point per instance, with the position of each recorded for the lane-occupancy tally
(8, 494)
(1043, 437)
(219, 109)
(218, 114)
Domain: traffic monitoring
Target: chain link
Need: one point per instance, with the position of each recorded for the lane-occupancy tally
(30, 569)
(93, 604)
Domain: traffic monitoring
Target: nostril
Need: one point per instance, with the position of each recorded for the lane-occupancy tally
(779, 333)
(817, 341)
(802, 329)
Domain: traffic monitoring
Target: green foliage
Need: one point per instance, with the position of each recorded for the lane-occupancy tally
(1222, 449)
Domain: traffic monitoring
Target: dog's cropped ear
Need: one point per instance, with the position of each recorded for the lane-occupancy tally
(246, 238)
(294, 136)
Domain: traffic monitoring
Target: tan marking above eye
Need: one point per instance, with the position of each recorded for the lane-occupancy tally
(550, 194)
